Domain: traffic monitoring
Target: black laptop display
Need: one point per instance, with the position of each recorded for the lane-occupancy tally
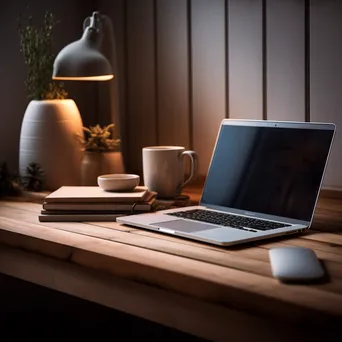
(269, 170)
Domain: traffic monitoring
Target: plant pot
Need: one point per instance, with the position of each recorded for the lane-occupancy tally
(48, 137)
(95, 164)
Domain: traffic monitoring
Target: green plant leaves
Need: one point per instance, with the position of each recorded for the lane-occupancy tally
(36, 46)
(98, 138)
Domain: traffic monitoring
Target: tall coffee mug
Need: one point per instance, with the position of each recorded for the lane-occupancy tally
(164, 171)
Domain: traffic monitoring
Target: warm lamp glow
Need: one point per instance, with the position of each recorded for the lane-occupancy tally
(85, 78)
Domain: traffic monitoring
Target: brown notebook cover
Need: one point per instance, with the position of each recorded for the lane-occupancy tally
(66, 207)
(86, 194)
(79, 217)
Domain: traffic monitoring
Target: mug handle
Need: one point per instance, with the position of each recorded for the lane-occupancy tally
(194, 165)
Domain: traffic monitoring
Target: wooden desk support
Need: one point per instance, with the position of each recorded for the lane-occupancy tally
(215, 293)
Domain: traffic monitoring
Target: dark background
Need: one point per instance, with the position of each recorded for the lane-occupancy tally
(32, 311)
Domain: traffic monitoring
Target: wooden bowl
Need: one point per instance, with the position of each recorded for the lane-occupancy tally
(118, 182)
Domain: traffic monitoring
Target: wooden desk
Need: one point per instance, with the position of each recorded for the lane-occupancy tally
(212, 292)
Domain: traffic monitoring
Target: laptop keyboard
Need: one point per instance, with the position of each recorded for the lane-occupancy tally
(229, 220)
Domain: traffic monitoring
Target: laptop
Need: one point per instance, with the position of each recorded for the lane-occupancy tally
(263, 181)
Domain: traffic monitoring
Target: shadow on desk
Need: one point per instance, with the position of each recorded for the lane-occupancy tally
(29, 310)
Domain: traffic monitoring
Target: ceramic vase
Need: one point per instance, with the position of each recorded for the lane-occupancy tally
(95, 164)
(49, 137)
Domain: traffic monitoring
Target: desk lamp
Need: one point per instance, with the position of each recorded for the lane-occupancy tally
(82, 59)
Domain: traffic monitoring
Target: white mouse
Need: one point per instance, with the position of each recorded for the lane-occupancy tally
(295, 264)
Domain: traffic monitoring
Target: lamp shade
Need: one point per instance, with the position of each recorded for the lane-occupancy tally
(82, 60)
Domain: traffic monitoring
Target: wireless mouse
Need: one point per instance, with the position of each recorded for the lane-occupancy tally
(295, 264)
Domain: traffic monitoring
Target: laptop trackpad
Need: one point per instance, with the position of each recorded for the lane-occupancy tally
(184, 226)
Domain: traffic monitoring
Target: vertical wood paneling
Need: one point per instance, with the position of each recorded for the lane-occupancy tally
(307, 59)
(245, 59)
(172, 71)
(208, 75)
(285, 60)
(326, 77)
(140, 104)
(163, 101)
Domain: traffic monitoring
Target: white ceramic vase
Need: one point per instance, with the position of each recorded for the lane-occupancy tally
(95, 164)
(49, 137)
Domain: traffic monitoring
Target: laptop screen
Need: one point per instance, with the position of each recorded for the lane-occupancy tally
(274, 170)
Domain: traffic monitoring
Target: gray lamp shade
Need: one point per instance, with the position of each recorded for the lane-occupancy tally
(82, 60)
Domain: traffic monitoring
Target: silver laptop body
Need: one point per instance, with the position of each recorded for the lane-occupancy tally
(263, 180)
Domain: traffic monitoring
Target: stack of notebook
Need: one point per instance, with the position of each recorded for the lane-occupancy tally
(91, 203)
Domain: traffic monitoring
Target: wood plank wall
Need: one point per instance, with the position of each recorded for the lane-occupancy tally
(188, 64)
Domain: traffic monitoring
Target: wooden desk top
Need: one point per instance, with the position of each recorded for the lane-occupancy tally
(212, 292)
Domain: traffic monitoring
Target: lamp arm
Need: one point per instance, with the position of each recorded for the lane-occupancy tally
(92, 28)
(93, 21)
(112, 53)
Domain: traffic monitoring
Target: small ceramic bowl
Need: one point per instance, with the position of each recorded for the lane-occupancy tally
(118, 182)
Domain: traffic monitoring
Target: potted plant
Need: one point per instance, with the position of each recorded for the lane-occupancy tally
(101, 153)
(51, 120)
